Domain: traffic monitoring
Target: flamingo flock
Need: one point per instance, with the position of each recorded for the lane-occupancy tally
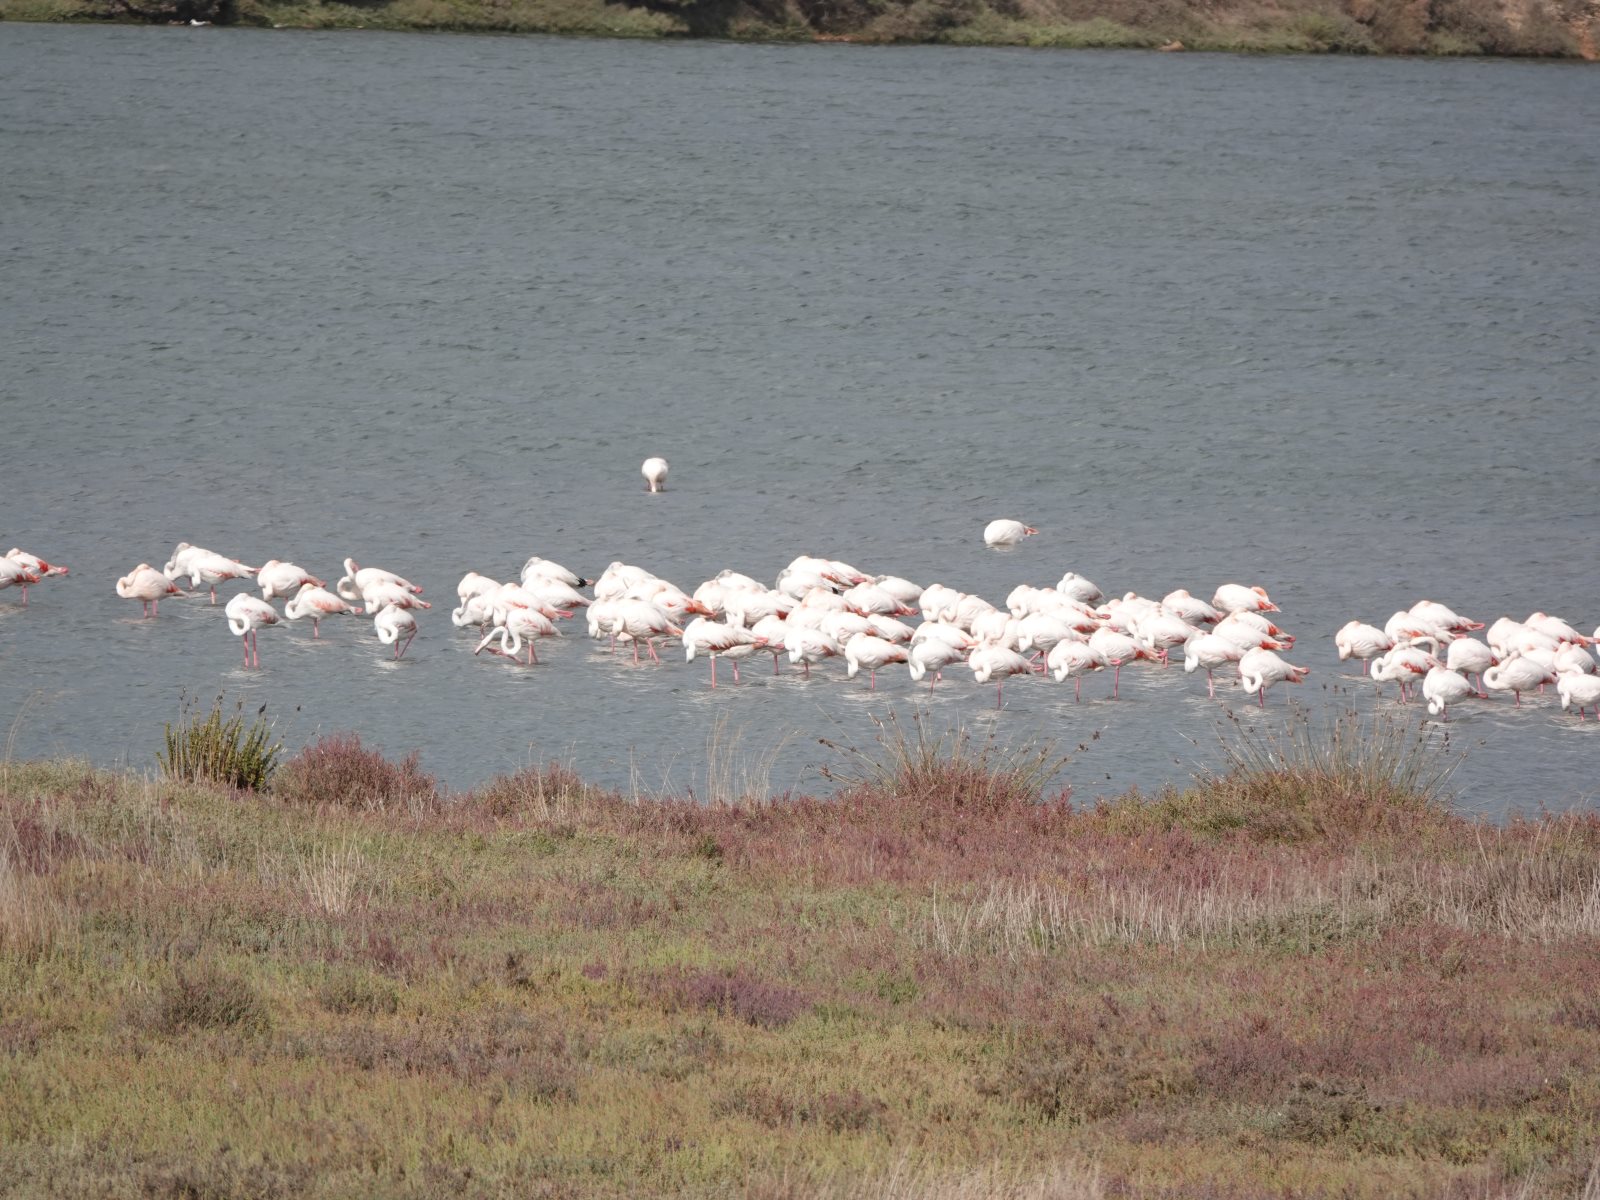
(819, 609)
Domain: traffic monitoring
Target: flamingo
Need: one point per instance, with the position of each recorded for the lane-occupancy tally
(654, 471)
(997, 662)
(1190, 608)
(519, 625)
(869, 599)
(149, 585)
(317, 602)
(282, 578)
(1557, 628)
(1578, 689)
(1006, 532)
(1439, 614)
(642, 621)
(245, 616)
(773, 631)
(382, 593)
(392, 623)
(1517, 674)
(1403, 665)
(1068, 657)
(1359, 640)
(357, 579)
(1118, 648)
(1442, 687)
(1210, 650)
(732, 642)
(473, 585)
(1470, 657)
(30, 564)
(1076, 587)
(1235, 597)
(871, 652)
(543, 568)
(1260, 669)
(204, 566)
(933, 654)
(14, 574)
(807, 646)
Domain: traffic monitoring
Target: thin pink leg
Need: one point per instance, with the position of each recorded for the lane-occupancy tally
(1116, 680)
(713, 670)
(316, 628)
(999, 693)
(872, 674)
(1211, 684)
(24, 595)
(1261, 695)
(807, 663)
(1518, 695)
(736, 670)
(1077, 689)
(245, 642)
(636, 652)
(213, 595)
(651, 643)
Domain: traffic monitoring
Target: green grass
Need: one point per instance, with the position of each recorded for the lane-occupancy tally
(930, 985)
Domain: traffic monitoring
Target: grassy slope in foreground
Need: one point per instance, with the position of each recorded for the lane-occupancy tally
(1540, 28)
(1308, 981)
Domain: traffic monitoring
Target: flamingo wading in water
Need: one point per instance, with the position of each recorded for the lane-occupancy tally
(245, 616)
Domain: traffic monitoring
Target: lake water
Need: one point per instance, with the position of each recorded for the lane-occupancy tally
(1327, 325)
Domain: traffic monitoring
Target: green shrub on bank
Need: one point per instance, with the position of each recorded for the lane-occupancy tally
(220, 749)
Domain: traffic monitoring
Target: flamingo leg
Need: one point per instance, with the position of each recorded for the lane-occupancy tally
(1211, 684)
(872, 675)
(245, 642)
(1116, 680)
(155, 608)
(713, 670)
(1518, 695)
(1077, 689)
(636, 652)
(213, 595)
(651, 643)
(24, 595)
(774, 664)
(1261, 695)
(807, 664)
(999, 693)
(736, 670)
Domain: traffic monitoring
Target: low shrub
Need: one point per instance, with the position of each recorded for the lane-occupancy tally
(220, 749)
(207, 997)
(737, 994)
(337, 771)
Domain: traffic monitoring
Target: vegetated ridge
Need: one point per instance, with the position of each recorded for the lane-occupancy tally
(1303, 976)
(1533, 28)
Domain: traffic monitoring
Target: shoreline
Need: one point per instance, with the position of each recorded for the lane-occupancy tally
(1309, 29)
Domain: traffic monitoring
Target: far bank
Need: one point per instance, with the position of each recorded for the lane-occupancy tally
(1565, 29)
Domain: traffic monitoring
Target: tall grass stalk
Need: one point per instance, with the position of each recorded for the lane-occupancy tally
(734, 774)
(953, 762)
(218, 748)
(1377, 754)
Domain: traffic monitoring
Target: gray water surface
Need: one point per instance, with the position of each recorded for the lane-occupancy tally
(1328, 325)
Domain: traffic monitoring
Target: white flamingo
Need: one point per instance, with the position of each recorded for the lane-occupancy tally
(146, 583)
(1442, 687)
(654, 471)
(317, 602)
(394, 623)
(1006, 532)
(1259, 669)
(246, 615)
